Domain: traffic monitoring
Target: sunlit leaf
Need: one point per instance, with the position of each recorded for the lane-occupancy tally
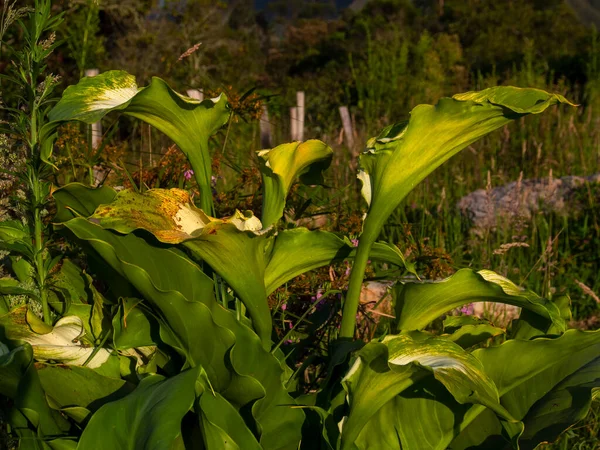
(384, 370)
(232, 355)
(188, 122)
(151, 414)
(234, 247)
(311, 249)
(546, 383)
(281, 165)
(419, 303)
(64, 343)
(404, 154)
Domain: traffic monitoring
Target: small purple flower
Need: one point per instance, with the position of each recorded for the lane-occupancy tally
(467, 309)
(354, 242)
(284, 307)
(188, 174)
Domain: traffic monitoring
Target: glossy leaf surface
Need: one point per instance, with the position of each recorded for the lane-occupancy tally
(281, 165)
(417, 304)
(188, 122)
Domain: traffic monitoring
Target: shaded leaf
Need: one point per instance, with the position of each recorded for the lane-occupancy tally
(235, 362)
(132, 327)
(470, 335)
(74, 386)
(77, 199)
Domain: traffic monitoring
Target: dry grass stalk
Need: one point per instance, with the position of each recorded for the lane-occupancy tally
(189, 51)
(506, 247)
(588, 291)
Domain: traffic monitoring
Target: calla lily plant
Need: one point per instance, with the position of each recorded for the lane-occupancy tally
(163, 359)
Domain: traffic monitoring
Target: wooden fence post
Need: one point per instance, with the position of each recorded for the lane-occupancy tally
(96, 127)
(347, 124)
(265, 129)
(95, 131)
(294, 123)
(300, 107)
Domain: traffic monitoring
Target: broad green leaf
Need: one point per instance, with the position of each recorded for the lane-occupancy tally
(419, 303)
(566, 404)
(22, 269)
(10, 286)
(132, 326)
(231, 353)
(299, 250)
(148, 418)
(68, 293)
(530, 325)
(76, 199)
(64, 343)
(20, 382)
(183, 294)
(281, 165)
(408, 359)
(234, 247)
(453, 323)
(188, 122)
(92, 98)
(370, 384)
(223, 427)
(13, 231)
(73, 386)
(468, 331)
(416, 419)
(16, 237)
(546, 383)
(404, 154)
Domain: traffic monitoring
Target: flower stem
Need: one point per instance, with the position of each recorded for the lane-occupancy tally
(39, 262)
(354, 288)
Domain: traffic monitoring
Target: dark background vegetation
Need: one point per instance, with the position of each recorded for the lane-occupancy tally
(380, 58)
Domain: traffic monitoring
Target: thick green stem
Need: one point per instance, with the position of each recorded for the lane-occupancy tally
(202, 172)
(38, 225)
(39, 262)
(355, 287)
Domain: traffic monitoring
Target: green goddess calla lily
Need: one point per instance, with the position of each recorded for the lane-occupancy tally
(188, 122)
(281, 165)
(404, 154)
